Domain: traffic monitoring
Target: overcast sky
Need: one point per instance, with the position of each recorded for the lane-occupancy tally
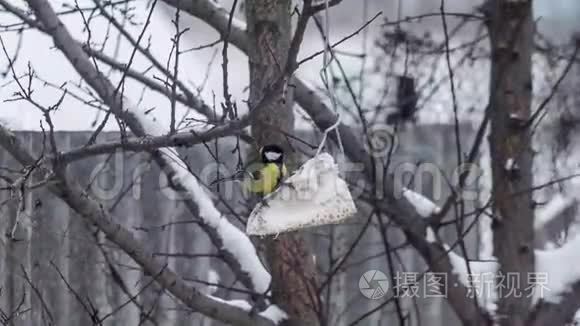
(558, 18)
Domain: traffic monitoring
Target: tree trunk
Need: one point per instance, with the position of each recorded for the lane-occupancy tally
(293, 272)
(511, 29)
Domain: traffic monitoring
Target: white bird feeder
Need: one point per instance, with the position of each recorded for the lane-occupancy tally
(314, 195)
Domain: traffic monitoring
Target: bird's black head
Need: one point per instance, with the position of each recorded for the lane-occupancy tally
(272, 154)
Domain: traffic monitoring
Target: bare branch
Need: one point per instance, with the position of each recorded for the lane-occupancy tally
(74, 195)
(399, 209)
(182, 139)
(236, 247)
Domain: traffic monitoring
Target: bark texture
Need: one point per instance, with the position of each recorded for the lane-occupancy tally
(511, 29)
(292, 267)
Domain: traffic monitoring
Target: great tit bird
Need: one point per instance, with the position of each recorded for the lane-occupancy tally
(269, 176)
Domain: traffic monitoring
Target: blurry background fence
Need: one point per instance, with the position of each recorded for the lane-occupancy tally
(61, 271)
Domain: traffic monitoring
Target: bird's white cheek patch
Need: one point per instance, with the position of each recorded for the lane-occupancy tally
(272, 156)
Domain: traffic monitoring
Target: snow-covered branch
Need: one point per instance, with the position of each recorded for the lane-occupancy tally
(482, 276)
(237, 249)
(561, 270)
(186, 138)
(272, 313)
(424, 206)
(557, 298)
(552, 210)
(406, 212)
(479, 278)
(555, 284)
(74, 195)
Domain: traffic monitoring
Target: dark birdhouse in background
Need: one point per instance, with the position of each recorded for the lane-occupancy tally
(406, 101)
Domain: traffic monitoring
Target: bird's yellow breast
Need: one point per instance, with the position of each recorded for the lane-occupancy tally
(267, 179)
